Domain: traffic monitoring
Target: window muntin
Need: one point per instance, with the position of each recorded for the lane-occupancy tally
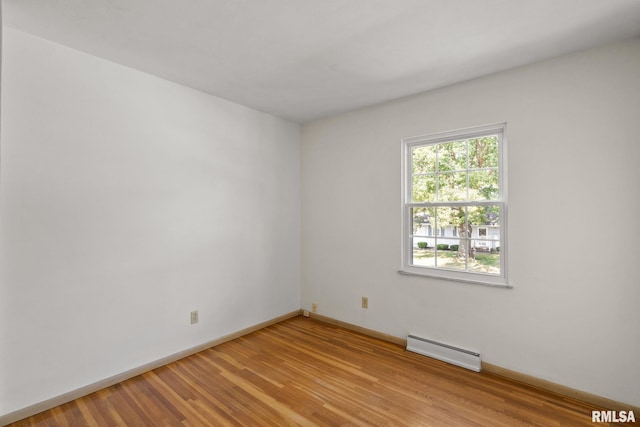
(454, 185)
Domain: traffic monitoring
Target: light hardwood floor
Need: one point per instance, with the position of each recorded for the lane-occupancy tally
(305, 372)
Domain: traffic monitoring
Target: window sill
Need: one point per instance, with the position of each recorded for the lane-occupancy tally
(455, 279)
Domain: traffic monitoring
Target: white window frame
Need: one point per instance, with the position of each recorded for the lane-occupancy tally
(407, 268)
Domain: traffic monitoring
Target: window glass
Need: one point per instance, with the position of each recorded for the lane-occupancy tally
(456, 202)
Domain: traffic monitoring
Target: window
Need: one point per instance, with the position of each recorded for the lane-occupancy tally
(455, 180)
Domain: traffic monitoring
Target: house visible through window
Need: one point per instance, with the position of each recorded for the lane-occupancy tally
(454, 184)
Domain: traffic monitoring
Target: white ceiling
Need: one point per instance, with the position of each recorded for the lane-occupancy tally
(306, 59)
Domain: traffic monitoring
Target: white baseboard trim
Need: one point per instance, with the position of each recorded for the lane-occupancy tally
(560, 389)
(99, 385)
(354, 328)
(490, 369)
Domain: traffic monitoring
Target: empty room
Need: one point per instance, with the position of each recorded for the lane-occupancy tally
(319, 212)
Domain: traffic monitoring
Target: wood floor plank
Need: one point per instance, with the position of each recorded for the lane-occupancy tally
(305, 372)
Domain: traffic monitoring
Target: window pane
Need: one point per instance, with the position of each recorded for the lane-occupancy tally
(452, 187)
(483, 185)
(423, 159)
(449, 215)
(484, 217)
(451, 219)
(485, 239)
(454, 247)
(452, 156)
(485, 262)
(421, 255)
(422, 220)
(483, 152)
(424, 188)
(448, 258)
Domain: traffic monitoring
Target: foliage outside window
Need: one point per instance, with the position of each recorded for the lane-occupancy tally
(454, 183)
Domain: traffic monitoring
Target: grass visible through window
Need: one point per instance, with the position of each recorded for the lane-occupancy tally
(480, 262)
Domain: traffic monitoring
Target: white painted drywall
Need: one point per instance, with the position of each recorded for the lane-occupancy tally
(573, 178)
(127, 202)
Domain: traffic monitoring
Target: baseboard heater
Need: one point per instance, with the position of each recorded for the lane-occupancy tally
(446, 353)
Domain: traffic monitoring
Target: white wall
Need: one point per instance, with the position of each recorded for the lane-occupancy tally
(573, 161)
(127, 202)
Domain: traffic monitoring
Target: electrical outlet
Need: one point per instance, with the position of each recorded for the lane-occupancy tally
(314, 307)
(365, 302)
(194, 317)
